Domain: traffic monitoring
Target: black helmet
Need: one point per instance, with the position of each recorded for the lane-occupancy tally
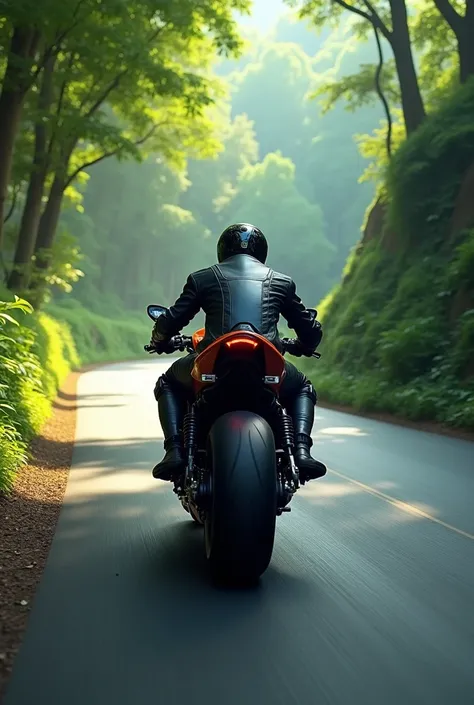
(242, 239)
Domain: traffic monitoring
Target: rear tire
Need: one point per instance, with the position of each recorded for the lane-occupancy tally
(240, 528)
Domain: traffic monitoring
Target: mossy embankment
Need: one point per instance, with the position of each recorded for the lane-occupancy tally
(399, 328)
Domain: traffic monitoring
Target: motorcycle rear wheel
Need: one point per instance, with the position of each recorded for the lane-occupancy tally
(240, 527)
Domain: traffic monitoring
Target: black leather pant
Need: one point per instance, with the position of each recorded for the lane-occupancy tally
(178, 376)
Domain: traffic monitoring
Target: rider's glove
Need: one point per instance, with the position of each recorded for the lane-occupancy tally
(161, 346)
(296, 348)
(157, 337)
(303, 351)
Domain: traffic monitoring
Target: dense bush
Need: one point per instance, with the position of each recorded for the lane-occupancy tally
(426, 173)
(22, 404)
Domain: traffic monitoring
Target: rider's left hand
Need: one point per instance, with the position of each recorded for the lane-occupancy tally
(161, 345)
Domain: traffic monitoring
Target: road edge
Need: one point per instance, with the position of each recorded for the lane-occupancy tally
(384, 417)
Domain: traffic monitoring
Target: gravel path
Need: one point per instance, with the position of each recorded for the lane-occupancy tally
(27, 522)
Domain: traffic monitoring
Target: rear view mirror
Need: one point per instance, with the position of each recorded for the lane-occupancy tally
(313, 313)
(155, 311)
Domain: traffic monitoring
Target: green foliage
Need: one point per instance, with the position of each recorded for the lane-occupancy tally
(22, 404)
(114, 79)
(62, 272)
(399, 330)
(359, 89)
(266, 194)
(100, 339)
(427, 171)
(374, 148)
(56, 351)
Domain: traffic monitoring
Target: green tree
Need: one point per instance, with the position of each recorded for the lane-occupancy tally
(136, 76)
(274, 93)
(213, 179)
(390, 20)
(32, 34)
(271, 91)
(138, 243)
(459, 15)
(266, 194)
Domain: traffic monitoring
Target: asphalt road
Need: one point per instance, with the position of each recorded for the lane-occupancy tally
(369, 599)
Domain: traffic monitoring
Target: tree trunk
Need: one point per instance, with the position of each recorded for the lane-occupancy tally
(18, 278)
(412, 102)
(463, 28)
(465, 39)
(49, 221)
(16, 81)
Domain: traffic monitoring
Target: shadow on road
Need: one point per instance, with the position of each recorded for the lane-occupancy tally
(126, 599)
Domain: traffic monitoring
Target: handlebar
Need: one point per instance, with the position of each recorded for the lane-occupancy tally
(185, 342)
(293, 347)
(176, 343)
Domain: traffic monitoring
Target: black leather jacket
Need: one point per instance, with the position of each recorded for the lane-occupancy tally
(240, 290)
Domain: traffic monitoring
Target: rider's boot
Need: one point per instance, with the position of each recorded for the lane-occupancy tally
(171, 409)
(302, 413)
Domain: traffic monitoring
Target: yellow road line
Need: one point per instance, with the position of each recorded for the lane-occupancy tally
(403, 506)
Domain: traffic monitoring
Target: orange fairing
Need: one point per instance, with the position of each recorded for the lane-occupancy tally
(205, 362)
(198, 336)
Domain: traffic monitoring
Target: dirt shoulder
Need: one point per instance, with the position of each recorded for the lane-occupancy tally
(28, 520)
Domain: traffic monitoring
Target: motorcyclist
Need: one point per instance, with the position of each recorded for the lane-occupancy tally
(241, 288)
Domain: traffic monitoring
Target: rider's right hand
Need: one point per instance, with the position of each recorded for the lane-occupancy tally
(296, 348)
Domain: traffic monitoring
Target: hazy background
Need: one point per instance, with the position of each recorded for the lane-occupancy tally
(285, 167)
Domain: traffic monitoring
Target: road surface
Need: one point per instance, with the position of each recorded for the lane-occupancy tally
(368, 601)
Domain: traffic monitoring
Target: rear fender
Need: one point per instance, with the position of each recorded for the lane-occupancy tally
(203, 370)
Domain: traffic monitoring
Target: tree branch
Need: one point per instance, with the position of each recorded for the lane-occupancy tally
(450, 14)
(59, 106)
(116, 81)
(381, 94)
(55, 47)
(112, 152)
(13, 205)
(89, 93)
(372, 16)
(6, 273)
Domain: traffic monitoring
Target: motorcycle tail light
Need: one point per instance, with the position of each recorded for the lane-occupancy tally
(242, 343)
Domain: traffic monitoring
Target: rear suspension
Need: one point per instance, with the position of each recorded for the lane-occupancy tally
(288, 482)
(190, 435)
(197, 481)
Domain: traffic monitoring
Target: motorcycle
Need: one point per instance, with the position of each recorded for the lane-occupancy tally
(238, 440)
